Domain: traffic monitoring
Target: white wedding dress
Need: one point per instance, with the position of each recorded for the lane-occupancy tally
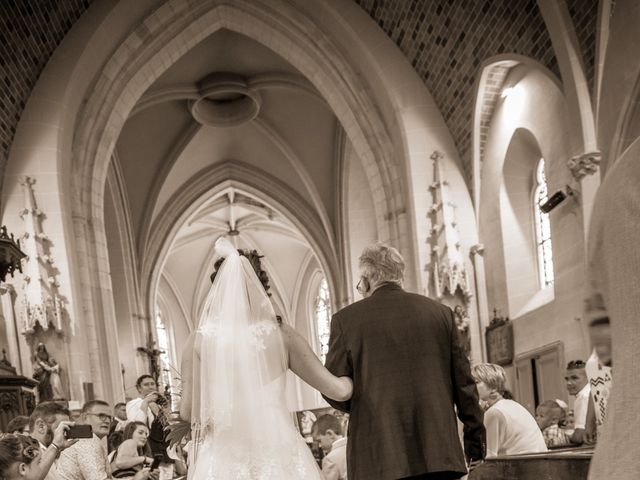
(242, 429)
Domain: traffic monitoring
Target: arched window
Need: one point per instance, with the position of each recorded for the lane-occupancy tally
(323, 318)
(543, 228)
(166, 379)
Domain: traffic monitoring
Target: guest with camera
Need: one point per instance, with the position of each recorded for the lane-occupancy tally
(87, 459)
(150, 408)
(44, 420)
(21, 457)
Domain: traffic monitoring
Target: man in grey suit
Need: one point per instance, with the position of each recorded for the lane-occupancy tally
(409, 371)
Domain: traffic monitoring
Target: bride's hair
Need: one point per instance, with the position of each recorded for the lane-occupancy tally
(254, 259)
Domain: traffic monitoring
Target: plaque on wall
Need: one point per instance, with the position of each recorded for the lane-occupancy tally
(499, 336)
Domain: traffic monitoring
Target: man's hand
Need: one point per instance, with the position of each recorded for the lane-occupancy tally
(145, 474)
(473, 464)
(150, 398)
(59, 436)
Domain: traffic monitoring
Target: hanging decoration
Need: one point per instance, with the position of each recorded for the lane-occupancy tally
(42, 303)
(447, 267)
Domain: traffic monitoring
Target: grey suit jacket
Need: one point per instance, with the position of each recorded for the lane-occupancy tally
(410, 375)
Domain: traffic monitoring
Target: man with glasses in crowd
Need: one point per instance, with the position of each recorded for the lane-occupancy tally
(87, 459)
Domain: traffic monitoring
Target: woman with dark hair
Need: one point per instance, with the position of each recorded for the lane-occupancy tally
(133, 453)
(21, 458)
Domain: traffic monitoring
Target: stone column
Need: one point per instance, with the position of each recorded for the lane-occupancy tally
(7, 297)
(477, 257)
(584, 169)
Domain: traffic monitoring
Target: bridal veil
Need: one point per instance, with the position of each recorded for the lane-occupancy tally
(238, 353)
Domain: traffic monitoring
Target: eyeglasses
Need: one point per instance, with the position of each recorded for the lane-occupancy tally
(102, 416)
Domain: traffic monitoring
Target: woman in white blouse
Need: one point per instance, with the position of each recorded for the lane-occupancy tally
(511, 429)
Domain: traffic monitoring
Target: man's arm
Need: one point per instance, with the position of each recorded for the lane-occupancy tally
(581, 407)
(465, 395)
(339, 362)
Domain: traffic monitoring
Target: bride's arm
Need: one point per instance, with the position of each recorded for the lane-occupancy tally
(307, 366)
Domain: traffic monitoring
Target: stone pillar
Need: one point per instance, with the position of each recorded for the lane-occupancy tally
(584, 169)
(7, 297)
(482, 303)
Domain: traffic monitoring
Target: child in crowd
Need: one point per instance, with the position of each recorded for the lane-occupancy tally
(548, 416)
(327, 431)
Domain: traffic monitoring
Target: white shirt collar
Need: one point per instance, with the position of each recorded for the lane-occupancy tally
(586, 390)
(338, 443)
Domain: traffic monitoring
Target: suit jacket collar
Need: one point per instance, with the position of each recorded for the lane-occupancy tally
(387, 287)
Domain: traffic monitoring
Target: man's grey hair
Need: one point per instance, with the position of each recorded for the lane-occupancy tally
(382, 263)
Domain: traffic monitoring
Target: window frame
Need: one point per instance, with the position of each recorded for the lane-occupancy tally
(542, 227)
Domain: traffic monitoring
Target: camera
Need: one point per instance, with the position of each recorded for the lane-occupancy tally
(553, 201)
(557, 198)
(161, 400)
(79, 431)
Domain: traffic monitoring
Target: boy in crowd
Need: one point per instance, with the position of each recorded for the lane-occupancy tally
(548, 415)
(327, 431)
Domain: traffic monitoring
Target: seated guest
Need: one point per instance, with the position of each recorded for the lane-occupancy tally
(133, 452)
(22, 459)
(44, 420)
(548, 416)
(578, 385)
(511, 429)
(327, 431)
(119, 418)
(151, 408)
(19, 424)
(87, 459)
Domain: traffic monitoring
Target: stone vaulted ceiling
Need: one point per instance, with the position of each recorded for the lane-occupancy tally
(445, 40)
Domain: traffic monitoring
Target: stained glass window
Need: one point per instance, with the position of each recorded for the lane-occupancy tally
(323, 318)
(543, 228)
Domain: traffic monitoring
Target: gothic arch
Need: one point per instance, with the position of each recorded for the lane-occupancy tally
(216, 178)
(494, 76)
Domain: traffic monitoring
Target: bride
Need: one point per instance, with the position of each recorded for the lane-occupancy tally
(233, 383)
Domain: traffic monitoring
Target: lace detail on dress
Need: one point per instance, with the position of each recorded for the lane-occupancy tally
(236, 462)
(253, 333)
(257, 332)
